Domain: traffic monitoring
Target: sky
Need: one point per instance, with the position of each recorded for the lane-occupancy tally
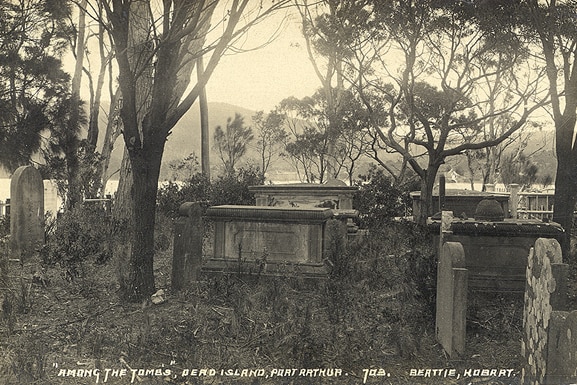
(260, 79)
(257, 79)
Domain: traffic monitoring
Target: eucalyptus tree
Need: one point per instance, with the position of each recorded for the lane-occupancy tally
(320, 143)
(329, 27)
(422, 69)
(177, 33)
(270, 135)
(232, 141)
(306, 145)
(554, 26)
(94, 55)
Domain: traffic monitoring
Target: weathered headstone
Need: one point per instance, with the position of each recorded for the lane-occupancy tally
(187, 252)
(547, 338)
(562, 355)
(26, 212)
(451, 311)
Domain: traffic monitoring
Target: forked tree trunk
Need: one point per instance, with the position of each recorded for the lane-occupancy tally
(564, 115)
(151, 109)
(74, 193)
(111, 134)
(134, 275)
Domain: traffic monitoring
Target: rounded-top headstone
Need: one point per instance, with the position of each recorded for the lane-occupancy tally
(26, 211)
(489, 210)
(333, 182)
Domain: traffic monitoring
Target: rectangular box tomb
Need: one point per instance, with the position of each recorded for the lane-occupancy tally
(268, 240)
(496, 252)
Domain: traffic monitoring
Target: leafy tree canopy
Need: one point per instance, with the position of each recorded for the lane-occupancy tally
(33, 85)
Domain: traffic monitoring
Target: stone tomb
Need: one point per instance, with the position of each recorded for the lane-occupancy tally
(488, 253)
(461, 202)
(333, 194)
(496, 253)
(268, 240)
(496, 249)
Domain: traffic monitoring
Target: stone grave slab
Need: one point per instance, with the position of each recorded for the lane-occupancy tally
(451, 299)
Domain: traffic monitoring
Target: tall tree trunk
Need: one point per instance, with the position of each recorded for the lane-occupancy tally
(333, 93)
(74, 193)
(111, 134)
(93, 122)
(564, 115)
(566, 179)
(122, 213)
(130, 200)
(123, 199)
(145, 174)
(150, 110)
(100, 178)
(204, 135)
(426, 198)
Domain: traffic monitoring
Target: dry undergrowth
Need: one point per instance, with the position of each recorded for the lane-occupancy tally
(374, 312)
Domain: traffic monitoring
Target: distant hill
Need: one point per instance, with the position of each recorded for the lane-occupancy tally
(540, 150)
(185, 139)
(185, 136)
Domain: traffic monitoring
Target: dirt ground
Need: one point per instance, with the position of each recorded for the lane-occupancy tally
(55, 330)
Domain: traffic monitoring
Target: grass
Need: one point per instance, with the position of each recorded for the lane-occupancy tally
(375, 311)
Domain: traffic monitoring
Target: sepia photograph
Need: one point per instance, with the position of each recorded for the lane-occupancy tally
(288, 192)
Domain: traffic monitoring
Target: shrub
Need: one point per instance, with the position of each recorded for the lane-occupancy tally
(380, 292)
(230, 189)
(28, 358)
(83, 234)
(4, 225)
(379, 199)
(172, 194)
